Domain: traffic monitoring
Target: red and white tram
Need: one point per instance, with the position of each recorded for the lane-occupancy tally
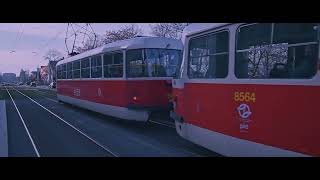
(250, 89)
(127, 79)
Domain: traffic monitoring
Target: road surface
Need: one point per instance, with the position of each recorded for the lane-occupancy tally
(40, 126)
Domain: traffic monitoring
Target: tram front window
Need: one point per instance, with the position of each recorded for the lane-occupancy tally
(153, 63)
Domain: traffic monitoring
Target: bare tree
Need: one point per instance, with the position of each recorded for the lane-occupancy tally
(169, 30)
(125, 32)
(53, 56)
(91, 43)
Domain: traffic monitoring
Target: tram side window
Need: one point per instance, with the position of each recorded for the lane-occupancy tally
(117, 68)
(208, 56)
(290, 53)
(69, 70)
(293, 33)
(76, 69)
(136, 65)
(85, 68)
(254, 35)
(63, 71)
(113, 65)
(96, 67)
(59, 72)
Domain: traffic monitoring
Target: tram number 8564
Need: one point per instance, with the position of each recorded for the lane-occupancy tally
(245, 96)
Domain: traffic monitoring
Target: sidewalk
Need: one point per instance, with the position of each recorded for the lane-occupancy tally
(3, 130)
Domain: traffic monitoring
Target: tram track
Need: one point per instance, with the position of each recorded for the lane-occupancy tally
(24, 124)
(162, 124)
(51, 114)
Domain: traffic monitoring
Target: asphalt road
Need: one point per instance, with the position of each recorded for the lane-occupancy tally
(39, 125)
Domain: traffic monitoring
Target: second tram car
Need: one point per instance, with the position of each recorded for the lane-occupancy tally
(127, 79)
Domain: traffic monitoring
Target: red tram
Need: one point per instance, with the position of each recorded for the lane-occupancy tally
(126, 79)
(250, 89)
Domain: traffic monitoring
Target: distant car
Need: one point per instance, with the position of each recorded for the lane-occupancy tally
(33, 84)
(52, 85)
(20, 84)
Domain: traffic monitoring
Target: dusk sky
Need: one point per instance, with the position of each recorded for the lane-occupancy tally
(26, 38)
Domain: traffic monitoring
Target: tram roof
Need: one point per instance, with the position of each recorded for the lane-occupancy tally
(133, 43)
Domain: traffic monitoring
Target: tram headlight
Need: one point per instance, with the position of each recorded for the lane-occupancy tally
(135, 98)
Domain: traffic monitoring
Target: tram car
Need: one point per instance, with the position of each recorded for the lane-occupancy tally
(127, 79)
(250, 89)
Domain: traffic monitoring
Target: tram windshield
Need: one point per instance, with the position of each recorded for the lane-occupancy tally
(153, 62)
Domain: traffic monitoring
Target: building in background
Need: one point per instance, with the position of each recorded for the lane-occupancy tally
(24, 76)
(9, 77)
(44, 75)
(33, 76)
(0, 77)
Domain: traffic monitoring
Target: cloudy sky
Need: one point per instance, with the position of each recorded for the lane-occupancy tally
(30, 41)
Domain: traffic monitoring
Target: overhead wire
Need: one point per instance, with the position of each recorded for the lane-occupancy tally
(18, 37)
(49, 41)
